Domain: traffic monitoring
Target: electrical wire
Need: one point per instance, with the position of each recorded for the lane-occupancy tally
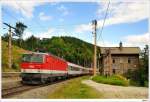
(100, 35)
(13, 17)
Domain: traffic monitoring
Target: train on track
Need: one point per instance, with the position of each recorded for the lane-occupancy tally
(40, 68)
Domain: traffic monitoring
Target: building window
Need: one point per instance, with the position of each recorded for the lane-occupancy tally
(129, 60)
(113, 60)
(114, 71)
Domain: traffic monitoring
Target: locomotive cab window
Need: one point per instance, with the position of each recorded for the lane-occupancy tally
(39, 58)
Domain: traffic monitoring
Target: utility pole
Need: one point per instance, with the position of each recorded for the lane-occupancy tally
(9, 45)
(9, 49)
(94, 23)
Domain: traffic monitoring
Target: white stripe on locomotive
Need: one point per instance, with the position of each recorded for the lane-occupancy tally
(42, 71)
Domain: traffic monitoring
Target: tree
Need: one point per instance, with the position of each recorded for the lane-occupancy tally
(5, 37)
(32, 43)
(144, 65)
(20, 27)
(140, 76)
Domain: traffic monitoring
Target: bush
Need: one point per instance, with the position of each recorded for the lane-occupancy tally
(113, 80)
(137, 77)
(146, 83)
(15, 66)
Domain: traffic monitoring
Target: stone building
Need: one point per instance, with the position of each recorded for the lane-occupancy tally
(118, 60)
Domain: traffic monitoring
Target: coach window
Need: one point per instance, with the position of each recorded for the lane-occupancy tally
(69, 67)
(76, 69)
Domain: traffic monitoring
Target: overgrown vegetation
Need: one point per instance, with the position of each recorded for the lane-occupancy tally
(139, 77)
(74, 89)
(113, 80)
(16, 55)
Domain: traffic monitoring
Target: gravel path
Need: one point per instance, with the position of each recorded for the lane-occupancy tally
(38, 93)
(112, 91)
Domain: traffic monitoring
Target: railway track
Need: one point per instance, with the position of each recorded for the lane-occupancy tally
(10, 74)
(7, 92)
(14, 90)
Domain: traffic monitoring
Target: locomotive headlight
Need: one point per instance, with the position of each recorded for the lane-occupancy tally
(22, 70)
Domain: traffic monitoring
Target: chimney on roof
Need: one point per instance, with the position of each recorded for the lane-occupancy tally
(120, 45)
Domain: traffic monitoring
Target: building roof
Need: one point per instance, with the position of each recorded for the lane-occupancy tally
(122, 50)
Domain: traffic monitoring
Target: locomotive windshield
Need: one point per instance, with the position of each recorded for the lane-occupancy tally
(32, 58)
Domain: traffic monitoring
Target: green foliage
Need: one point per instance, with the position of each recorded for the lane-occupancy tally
(20, 27)
(71, 49)
(74, 89)
(146, 83)
(113, 80)
(134, 83)
(16, 55)
(5, 37)
(15, 66)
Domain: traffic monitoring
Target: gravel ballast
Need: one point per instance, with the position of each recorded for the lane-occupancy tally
(38, 93)
(10, 82)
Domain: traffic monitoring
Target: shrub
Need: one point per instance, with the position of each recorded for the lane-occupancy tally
(134, 83)
(113, 80)
(15, 66)
(120, 77)
(146, 83)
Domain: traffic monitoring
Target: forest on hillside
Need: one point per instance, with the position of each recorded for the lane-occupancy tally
(69, 48)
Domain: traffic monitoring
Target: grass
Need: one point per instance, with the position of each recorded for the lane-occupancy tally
(16, 55)
(113, 80)
(74, 89)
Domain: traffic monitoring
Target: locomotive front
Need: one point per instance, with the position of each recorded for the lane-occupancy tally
(31, 66)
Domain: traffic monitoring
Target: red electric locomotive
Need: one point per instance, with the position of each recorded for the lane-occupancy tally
(37, 68)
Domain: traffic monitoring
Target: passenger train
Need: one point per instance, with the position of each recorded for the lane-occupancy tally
(39, 68)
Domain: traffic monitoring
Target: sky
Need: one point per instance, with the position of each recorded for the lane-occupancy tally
(126, 20)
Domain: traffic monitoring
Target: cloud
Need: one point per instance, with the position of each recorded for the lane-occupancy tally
(25, 7)
(119, 12)
(55, 3)
(27, 34)
(47, 34)
(134, 40)
(141, 39)
(63, 10)
(107, 44)
(44, 17)
(125, 12)
(83, 28)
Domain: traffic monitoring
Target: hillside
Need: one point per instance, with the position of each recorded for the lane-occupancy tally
(16, 54)
(69, 48)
